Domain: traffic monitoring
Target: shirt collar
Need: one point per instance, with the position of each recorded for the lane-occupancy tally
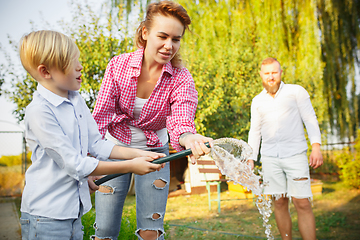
(138, 56)
(281, 86)
(55, 99)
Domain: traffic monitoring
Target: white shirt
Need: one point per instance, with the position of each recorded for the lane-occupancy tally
(278, 122)
(138, 138)
(60, 132)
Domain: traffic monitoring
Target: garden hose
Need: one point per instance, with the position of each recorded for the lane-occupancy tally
(156, 161)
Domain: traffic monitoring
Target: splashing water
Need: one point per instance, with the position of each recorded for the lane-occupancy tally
(230, 156)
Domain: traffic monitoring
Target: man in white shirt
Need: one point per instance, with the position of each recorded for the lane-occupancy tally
(277, 117)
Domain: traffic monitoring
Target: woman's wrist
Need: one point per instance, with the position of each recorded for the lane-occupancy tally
(183, 137)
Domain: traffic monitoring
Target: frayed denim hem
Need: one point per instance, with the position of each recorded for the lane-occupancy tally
(160, 237)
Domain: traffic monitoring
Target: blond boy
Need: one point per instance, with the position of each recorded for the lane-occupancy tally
(61, 131)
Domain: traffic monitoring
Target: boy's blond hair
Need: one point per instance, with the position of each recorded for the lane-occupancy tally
(50, 48)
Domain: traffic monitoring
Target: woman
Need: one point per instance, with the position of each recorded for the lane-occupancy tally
(144, 95)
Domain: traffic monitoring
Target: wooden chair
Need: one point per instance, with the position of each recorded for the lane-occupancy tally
(208, 167)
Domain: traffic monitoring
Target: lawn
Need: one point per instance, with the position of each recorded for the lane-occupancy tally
(337, 213)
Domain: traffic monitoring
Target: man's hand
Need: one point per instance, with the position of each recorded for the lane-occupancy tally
(250, 162)
(316, 158)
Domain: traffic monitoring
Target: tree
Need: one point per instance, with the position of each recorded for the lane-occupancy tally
(232, 41)
(97, 43)
(339, 23)
(316, 42)
(6, 71)
(2, 77)
(98, 39)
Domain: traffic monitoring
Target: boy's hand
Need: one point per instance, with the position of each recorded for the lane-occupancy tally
(143, 165)
(92, 186)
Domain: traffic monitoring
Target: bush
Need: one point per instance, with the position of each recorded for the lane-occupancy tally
(349, 165)
(330, 165)
(13, 160)
(11, 181)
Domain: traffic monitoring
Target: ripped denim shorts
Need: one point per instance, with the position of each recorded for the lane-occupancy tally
(287, 177)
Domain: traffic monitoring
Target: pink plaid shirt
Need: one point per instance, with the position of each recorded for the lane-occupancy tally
(172, 103)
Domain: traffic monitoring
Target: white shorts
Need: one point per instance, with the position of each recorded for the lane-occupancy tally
(281, 176)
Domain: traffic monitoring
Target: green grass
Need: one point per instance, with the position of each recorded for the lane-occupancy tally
(128, 222)
(336, 212)
(188, 217)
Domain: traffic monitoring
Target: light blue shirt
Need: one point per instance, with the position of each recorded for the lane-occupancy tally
(279, 122)
(60, 133)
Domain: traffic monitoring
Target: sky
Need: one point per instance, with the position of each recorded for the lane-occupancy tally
(15, 18)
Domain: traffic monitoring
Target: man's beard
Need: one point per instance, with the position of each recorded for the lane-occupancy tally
(272, 89)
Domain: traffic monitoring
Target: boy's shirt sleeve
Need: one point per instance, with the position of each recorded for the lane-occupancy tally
(58, 134)
(66, 132)
(48, 137)
(97, 146)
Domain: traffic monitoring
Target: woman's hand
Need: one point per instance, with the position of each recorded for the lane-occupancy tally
(153, 155)
(119, 152)
(196, 143)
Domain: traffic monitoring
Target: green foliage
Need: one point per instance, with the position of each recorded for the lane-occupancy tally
(315, 41)
(98, 39)
(349, 164)
(5, 70)
(11, 180)
(350, 171)
(88, 221)
(232, 41)
(23, 95)
(13, 160)
(330, 220)
(2, 77)
(330, 164)
(98, 42)
(339, 24)
(128, 223)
